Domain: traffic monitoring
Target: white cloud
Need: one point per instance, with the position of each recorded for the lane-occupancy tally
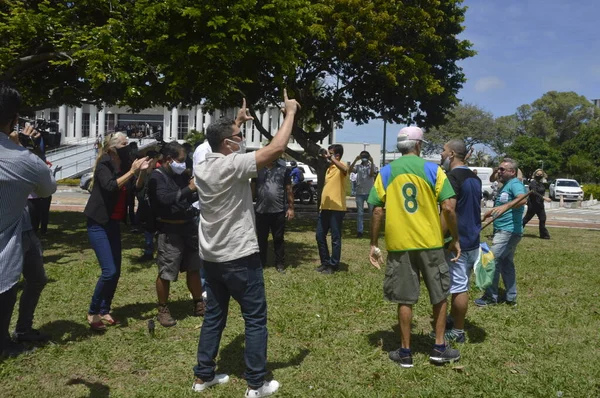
(488, 83)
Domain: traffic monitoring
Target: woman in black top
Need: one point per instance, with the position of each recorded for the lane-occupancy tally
(105, 209)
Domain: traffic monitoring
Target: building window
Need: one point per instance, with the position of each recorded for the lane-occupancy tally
(182, 126)
(54, 116)
(85, 125)
(109, 123)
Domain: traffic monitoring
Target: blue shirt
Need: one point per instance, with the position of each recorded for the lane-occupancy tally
(512, 220)
(467, 186)
(21, 172)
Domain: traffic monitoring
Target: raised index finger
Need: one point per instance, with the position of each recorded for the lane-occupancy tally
(244, 103)
(285, 97)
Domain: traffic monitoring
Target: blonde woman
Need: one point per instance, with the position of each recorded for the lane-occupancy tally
(106, 208)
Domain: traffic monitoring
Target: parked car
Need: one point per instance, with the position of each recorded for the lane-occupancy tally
(568, 189)
(84, 182)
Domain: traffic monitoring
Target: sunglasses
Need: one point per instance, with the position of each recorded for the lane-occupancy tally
(503, 169)
(240, 135)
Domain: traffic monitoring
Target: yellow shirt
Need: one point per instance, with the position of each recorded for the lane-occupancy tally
(334, 191)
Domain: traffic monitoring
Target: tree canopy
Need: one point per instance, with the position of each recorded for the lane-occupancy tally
(340, 58)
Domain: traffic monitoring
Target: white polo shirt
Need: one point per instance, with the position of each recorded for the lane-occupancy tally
(227, 227)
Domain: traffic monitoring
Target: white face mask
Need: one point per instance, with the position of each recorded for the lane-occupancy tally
(177, 167)
(241, 146)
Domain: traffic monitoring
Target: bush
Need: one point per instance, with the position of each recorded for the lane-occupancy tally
(589, 189)
(74, 182)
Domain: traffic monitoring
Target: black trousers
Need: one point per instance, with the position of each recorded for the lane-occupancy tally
(7, 305)
(540, 212)
(39, 212)
(274, 223)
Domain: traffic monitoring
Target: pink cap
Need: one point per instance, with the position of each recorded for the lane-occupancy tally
(411, 133)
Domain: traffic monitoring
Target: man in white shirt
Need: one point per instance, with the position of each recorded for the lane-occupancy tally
(229, 247)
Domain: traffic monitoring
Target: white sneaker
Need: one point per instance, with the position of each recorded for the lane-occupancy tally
(219, 379)
(270, 387)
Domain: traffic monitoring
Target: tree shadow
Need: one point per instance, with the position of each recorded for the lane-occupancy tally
(69, 233)
(231, 358)
(97, 390)
(530, 236)
(389, 340)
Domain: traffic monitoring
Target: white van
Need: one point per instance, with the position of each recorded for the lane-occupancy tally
(484, 174)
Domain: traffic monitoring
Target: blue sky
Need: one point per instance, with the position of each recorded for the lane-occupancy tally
(524, 49)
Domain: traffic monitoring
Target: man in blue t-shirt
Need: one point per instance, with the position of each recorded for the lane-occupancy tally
(467, 186)
(508, 229)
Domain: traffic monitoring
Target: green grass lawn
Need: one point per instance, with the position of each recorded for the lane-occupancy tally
(329, 335)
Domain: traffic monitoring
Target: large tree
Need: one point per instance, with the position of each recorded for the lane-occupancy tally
(466, 122)
(530, 152)
(556, 116)
(342, 59)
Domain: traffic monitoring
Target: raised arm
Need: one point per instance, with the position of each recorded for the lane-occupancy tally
(275, 149)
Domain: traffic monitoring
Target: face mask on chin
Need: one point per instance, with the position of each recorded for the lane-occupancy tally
(178, 168)
(446, 164)
(241, 146)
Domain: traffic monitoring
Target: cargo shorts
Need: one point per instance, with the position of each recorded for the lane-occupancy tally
(177, 253)
(403, 271)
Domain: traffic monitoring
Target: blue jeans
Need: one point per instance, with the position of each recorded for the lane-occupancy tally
(243, 280)
(106, 242)
(360, 209)
(330, 219)
(503, 247)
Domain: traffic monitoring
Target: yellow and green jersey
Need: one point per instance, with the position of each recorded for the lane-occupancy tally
(410, 188)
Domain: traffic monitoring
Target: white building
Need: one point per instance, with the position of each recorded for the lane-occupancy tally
(78, 124)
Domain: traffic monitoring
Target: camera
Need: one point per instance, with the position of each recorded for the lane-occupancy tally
(42, 126)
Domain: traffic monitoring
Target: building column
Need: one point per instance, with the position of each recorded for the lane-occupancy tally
(207, 120)
(62, 123)
(78, 122)
(93, 118)
(174, 122)
(101, 122)
(167, 124)
(71, 123)
(199, 119)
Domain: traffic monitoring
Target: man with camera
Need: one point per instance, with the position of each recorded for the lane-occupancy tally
(21, 172)
(172, 194)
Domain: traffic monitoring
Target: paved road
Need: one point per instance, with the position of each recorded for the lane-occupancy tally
(74, 199)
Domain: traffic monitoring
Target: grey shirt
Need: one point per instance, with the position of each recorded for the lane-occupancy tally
(21, 172)
(227, 227)
(364, 182)
(271, 194)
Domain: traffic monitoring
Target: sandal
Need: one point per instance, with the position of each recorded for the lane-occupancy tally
(96, 323)
(108, 320)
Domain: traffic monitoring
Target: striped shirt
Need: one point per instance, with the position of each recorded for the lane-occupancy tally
(21, 172)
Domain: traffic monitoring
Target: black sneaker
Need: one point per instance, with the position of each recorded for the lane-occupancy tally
(511, 303)
(359, 235)
(404, 360)
(328, 271)
(280, 269)
(31, 336)
(442, 357)
(321, 268)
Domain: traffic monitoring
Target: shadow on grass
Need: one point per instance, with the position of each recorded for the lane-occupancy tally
(70, 235)
(389, 340)
(63, 331)
(179, 310)
(97, 390)
(475, 334)
(231, 358)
